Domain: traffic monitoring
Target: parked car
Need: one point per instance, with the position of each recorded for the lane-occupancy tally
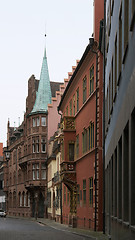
(2, 213)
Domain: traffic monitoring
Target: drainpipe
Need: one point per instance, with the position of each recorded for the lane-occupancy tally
(95, 181)
(61, 218)
(104, 57)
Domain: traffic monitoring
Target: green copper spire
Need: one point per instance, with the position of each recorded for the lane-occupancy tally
(43, 96)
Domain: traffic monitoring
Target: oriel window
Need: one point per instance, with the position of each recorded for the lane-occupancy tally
(43, 145)
(43, 171)
(43, 121)
(38, 121)
(34, 122)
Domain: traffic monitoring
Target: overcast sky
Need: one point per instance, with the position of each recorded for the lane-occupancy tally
(23, 23)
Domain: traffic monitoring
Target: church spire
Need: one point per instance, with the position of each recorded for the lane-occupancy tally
(43, 96)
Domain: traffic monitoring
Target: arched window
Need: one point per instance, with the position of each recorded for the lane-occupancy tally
(14, 199)
(22, 199)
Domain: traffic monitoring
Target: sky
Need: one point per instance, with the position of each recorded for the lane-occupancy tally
(68, 25)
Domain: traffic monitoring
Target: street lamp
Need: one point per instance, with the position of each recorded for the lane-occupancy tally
(7, 154)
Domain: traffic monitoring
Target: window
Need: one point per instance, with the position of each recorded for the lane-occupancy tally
(43, 171)
(125, 166)
(74, 104)
(34, 122)
(126, 26)
(43, 145)
(91, 135)
(120, 179)
(38, 121)
(71, 151)
(77, 145)
(24, 199)
(84, 191)
(43, 121)
(133, 15)
(78, 193)
(112, 78)
(84, 89)
(37, 145)
(34, 145)
(91, 191)
(115, 182)
(115, 72)
(77, 99)
(91, 80)
(120, 44)
(84, 140)
(133, 168)
(112, 6)
(70, 107)
(35, 171)
(20, 199)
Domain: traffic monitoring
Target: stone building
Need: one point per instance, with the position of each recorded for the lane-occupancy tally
(25, 157)
(120, 119)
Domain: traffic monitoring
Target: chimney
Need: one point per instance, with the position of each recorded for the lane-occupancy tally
(98, 16)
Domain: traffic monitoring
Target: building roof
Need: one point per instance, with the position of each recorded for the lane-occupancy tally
(43, 96)
(89, 47)
(55, 86)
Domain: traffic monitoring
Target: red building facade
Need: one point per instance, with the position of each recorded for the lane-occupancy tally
(81, 139)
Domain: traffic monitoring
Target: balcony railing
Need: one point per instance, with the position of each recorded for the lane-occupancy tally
(68, 123)
(35, 183)
(56, 177)
(68, 167)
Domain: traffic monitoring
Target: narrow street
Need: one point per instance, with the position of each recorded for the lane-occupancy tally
(14, 229)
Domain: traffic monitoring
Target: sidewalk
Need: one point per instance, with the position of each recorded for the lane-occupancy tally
(82, 232)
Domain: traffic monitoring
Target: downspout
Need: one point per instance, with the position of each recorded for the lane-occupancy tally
(61, 218)
(95, 181)
(104, 53)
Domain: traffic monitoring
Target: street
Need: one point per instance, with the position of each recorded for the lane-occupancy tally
(14, 229)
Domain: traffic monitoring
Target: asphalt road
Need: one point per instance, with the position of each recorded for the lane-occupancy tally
(20, 229)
